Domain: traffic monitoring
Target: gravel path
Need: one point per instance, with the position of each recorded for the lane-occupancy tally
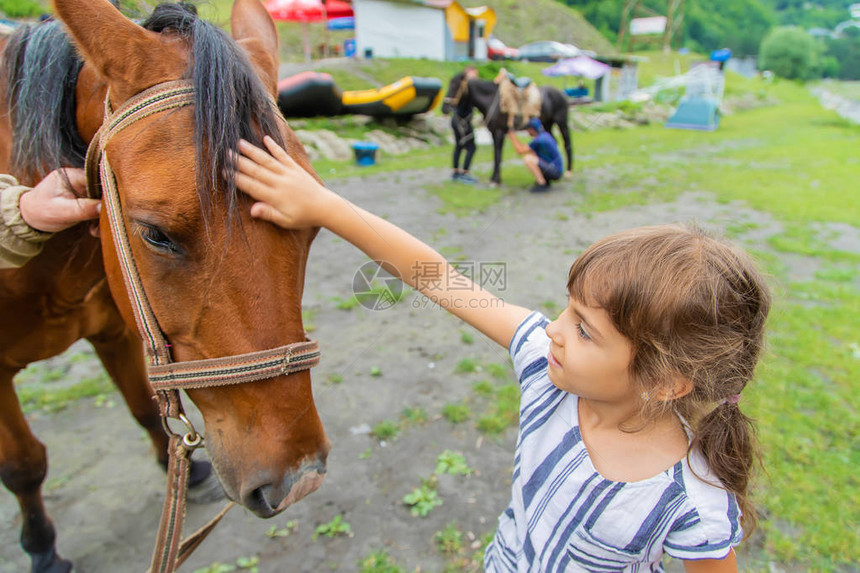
(846, 107)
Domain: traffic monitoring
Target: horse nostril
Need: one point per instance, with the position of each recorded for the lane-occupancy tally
(263, 500)
(267, 496)
(255, 500)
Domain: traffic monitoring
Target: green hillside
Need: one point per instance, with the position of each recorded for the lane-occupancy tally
(522, 22)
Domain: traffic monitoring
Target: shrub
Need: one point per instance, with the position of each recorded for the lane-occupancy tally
(790, 53)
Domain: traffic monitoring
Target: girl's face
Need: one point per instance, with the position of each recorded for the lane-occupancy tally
(589, 357)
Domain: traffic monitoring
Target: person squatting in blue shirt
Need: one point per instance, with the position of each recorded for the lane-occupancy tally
(541, 156)
(632, 443)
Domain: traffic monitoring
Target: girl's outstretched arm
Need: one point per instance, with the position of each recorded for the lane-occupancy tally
(729, 564)
(289, 196)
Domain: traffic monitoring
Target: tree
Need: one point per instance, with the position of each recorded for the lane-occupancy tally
(790, 53)
(846, 52)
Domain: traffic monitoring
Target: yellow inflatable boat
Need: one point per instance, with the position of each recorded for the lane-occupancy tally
(406, 96)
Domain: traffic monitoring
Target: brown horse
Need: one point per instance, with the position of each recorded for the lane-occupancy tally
(62, 295)
(219, 283)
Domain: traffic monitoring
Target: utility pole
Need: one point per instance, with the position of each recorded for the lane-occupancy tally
(629, 7)
(674, 21)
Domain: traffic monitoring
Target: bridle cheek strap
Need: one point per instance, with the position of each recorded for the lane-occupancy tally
(166, 376)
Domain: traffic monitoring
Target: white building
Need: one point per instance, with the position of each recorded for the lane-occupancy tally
(432, 29)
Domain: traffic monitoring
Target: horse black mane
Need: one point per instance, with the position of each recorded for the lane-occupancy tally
(230, 100)
(41, 69)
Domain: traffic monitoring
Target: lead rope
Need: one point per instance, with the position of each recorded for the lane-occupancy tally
(165, 376)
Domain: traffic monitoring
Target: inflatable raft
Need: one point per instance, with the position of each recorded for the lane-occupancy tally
(406, 96)
(310, 94)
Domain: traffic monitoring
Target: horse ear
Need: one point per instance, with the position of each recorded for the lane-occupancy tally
(252, 27)
(130, 57)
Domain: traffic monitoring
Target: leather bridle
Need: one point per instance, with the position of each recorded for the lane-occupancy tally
(166, 376)
(464, 87)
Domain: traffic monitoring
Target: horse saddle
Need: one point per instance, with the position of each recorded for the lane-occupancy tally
(518, 96)
(521, 82)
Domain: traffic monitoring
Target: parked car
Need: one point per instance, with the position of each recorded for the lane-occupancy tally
(497, 50)
(547, 51)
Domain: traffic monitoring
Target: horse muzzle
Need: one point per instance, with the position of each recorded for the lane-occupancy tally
(268, 497)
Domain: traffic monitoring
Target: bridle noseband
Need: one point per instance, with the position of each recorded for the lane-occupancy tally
(166, 376)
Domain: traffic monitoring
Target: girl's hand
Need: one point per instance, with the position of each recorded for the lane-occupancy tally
(286, 194)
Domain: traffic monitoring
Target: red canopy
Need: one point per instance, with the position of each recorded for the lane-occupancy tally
(307, 10)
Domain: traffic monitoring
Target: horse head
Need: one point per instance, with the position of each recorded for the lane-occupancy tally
(218, 283)
(458, 88)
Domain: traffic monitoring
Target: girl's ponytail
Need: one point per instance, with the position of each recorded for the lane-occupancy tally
(726, 437)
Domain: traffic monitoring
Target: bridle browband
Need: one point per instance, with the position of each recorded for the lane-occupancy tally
(166, 376)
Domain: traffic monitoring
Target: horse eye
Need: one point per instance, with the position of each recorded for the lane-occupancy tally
(156, 237)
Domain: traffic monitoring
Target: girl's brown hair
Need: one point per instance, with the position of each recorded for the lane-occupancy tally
(691, 305)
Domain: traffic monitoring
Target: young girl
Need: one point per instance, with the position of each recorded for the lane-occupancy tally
(631, 441)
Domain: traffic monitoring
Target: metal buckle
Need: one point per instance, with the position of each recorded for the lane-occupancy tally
(288, 357)
(192, 439)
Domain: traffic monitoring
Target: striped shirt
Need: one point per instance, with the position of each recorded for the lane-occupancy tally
(564, 516)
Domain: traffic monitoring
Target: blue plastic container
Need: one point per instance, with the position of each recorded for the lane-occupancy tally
(365, 152)
(576, 92)
(349, 47)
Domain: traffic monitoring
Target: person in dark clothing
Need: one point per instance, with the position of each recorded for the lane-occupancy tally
(464, 135)
(541, 156)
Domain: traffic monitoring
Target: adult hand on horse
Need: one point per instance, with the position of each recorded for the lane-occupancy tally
(286, 194)
(55, 203)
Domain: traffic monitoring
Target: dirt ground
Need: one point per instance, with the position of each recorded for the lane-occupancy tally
(104, 490)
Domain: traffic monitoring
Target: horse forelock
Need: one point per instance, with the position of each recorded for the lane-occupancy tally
(230, 100)
(41, 68)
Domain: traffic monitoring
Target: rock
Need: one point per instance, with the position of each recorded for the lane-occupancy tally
(327, 143)
(422, 135)
(389, 122)
(431, 124)
(482, 136)
(360, 430)
(313, 152)
(392, 145)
